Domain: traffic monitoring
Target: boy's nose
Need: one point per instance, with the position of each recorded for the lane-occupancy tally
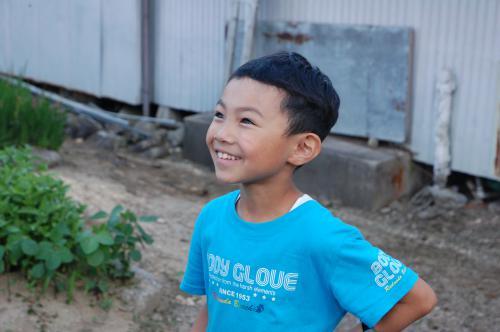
(224, 134)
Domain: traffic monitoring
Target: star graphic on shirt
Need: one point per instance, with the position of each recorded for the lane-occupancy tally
(263, 297)
(254, 294)
(273, 299)
(217, 284)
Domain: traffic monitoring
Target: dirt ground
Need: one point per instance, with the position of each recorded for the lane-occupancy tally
(458, 254)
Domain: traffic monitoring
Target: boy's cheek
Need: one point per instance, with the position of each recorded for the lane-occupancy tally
(209, 136)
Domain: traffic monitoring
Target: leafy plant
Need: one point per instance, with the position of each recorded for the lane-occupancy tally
(28, 120)
(44, 235)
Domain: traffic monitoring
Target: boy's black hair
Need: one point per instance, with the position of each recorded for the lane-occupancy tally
(311, 102)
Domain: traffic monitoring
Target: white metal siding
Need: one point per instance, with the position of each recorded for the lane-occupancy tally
(121, 50)
(463, 35)
(86, 45)
(189, 52)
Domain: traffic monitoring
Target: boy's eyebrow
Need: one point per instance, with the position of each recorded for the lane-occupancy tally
(221, 103)
(241, 109)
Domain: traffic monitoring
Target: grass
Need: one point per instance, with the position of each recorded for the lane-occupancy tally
(25, 119)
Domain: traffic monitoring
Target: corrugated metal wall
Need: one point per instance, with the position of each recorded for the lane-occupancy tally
(80, 44)
(460, 34)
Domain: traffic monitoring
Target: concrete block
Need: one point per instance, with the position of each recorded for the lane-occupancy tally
(145, 296)
(359, 176)
(165, 112)
(48, 157)
(194, 147)
(176, 136)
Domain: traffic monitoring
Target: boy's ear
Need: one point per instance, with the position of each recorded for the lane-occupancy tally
(307, 146)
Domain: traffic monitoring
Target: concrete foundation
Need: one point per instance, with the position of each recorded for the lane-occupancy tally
(194, 147)
(360, 176)
(345, 171)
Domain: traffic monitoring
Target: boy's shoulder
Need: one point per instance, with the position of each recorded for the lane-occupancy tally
(325, 228)
(318, 217)
(217, 206)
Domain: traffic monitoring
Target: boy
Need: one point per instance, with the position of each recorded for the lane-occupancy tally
(268, 257)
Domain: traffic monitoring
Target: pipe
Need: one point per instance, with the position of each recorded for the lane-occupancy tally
(145, 58)
(79, 108)
(446, 86)
(169, 123)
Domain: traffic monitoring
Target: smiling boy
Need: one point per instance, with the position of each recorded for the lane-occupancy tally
(267, 256)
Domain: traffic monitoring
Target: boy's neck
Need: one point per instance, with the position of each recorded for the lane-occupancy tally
(261, 202)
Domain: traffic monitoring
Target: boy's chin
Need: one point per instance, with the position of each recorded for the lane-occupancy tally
(233, 180)
(224, 179)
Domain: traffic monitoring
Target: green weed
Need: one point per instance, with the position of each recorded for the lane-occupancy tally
(28, 120)
(43, 233)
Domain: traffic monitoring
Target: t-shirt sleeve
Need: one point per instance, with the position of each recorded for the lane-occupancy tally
(193, 281)
(366, 281)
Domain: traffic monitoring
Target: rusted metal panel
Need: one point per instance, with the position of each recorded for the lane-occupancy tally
(286, 36)
(369, 67)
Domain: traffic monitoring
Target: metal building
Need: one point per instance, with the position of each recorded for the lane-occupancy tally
(94, 46)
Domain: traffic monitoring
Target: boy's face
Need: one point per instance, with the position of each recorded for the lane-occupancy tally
(246, 138)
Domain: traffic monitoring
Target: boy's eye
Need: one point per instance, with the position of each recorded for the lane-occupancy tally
(247, 121)
(218, 114)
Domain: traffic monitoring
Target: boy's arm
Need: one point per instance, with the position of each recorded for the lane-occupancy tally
(419, 301)
(200, 324)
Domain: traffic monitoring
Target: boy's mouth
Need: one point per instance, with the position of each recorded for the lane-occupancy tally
(226, 156)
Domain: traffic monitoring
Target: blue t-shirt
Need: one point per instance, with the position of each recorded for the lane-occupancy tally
(300, 272)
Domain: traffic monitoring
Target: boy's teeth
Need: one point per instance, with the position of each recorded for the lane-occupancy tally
(223, 155)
